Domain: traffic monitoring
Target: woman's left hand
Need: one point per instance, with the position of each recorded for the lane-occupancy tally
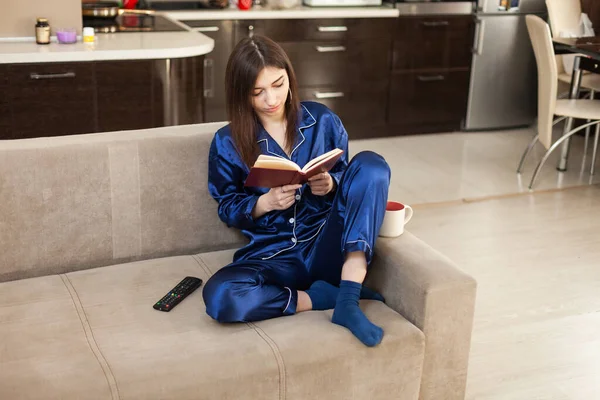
(321, 184)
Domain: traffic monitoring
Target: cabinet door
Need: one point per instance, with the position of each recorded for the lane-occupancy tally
(125, 95)
(52, 99)
(357, 109)
(359, 64)
(215, 64)
(438, 42)
(5, 117)
(424, 102)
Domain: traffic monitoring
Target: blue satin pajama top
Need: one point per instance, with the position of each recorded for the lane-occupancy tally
(280, 231)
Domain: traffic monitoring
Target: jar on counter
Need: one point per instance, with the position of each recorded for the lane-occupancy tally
(42, 31)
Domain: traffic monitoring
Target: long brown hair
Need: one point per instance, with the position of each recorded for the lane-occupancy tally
(249, 57)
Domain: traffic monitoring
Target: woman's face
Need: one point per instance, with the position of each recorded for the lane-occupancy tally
(270, 92)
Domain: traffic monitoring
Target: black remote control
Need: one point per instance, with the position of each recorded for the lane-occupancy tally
(182, 290)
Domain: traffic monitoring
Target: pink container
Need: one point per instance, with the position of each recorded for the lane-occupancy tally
(66, 35)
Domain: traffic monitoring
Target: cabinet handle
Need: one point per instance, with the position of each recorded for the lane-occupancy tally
(209, 78)
(332, 28)
(478, 45)
(207, 29)
(34, 75)
(433, 78)
(328, 95)
(330, 49)
(250, 31)
(436, 23)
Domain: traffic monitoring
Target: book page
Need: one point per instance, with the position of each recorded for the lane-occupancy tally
(322, 157)
(273, 162)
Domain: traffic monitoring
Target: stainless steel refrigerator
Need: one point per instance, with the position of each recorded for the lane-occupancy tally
(503, 87)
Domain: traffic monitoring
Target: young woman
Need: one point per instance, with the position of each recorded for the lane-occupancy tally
(310, 244)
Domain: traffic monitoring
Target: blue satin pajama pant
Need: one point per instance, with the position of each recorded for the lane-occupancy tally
(255, 289)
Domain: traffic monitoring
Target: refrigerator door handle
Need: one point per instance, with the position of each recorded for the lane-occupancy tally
(477, 47)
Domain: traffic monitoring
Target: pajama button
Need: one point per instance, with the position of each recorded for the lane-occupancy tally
(291, 221)
(297, 197)
(293, 240)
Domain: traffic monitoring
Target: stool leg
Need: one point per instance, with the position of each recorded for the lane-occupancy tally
(587, 130)
(595, 150)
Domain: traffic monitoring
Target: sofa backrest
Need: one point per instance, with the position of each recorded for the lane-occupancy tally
(83, 201)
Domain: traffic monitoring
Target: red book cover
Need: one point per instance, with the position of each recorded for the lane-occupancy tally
(269, 171)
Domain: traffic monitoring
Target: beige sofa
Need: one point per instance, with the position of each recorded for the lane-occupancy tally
(95, 228)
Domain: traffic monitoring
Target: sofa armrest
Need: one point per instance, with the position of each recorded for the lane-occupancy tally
(431, 292)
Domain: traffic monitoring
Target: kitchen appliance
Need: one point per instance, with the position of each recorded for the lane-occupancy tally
(108, 10)
(503, 86)
(132, 23)
(341, 3)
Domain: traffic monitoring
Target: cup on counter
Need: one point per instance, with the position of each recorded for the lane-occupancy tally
(66, 35)
(396, 216)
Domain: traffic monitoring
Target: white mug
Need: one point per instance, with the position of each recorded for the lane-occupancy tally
(396, 216)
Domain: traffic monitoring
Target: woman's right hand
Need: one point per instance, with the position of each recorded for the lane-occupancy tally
(281, 197)
(278, 198)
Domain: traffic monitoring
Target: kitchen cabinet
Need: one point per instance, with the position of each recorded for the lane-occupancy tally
(5, 115)
(343, 63)
(126, 95)
(430, 73)
(214, 66)
(51, 99)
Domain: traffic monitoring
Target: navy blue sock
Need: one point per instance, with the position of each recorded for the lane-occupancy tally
(348, 314)
(323, 295)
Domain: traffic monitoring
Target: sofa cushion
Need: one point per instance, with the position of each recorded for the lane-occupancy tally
(45, 351)
(182, 354)
(317, 355)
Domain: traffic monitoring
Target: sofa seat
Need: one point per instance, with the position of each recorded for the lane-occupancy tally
(93, 334)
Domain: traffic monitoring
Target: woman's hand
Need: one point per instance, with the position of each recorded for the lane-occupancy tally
(278, 198)
(321, 184)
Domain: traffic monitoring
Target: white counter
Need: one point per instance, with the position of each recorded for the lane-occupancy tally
(113, 46)
(303, 12)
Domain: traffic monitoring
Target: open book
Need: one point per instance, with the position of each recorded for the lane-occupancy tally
(271, 171)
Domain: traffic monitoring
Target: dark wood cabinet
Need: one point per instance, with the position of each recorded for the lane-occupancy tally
(54, 99)
(343, 63)
(51, 99)
(125, 93)
(430, 74)
(5, 114)
(433, 43)
(214, 66)
(429, 102)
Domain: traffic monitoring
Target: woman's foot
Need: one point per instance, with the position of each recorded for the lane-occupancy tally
(348, 314)
(323, 295)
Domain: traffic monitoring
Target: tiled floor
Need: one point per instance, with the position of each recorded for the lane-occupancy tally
(535, 255)
(456, 166)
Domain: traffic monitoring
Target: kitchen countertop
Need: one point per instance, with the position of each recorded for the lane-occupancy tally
(302, 12)
(113, 46)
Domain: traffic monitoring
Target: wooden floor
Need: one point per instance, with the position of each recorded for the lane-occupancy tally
(536, 258)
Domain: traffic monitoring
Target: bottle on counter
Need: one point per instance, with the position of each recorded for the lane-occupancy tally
(42, 31)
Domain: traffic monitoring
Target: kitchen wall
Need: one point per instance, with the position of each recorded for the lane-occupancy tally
(17, 17)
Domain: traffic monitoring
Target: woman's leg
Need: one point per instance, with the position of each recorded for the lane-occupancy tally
(255, 290)
(353, 227)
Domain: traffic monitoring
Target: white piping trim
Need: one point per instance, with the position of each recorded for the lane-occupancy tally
(303, 139)
(289, 300)
(314, 119)
(313, 236)
(360, 240)
(275, 154)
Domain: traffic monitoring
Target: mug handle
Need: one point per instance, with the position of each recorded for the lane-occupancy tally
(408, 214)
